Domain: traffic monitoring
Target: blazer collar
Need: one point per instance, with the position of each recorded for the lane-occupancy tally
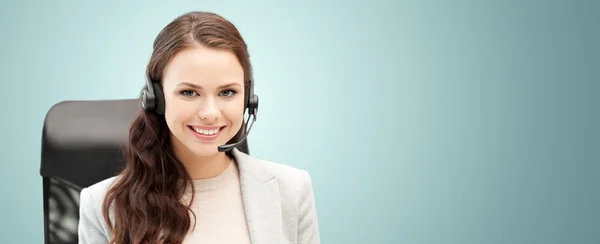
(251, 167)
(262, 203)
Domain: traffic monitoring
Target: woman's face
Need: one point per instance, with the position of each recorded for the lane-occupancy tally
(204, 99)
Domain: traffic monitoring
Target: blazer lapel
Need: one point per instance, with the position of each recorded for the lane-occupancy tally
(262, 203)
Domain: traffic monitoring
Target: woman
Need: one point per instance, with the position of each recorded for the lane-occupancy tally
(178, 187)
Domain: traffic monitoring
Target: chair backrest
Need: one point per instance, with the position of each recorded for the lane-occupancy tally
(81, 145)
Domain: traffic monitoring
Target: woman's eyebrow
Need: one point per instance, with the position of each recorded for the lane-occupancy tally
(199, 87)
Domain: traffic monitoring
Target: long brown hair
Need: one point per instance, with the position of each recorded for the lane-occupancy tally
(146, 197)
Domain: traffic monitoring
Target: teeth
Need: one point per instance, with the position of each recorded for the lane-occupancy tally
(206, 132)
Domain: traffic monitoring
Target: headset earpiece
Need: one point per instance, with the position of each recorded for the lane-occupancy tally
(152, 98)
(251, 102)
(160, 99)
(148, 99)
(253, 105)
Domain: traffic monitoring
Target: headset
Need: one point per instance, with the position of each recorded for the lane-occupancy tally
(153, 101)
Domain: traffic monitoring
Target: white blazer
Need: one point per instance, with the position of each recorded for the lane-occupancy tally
(278, 202)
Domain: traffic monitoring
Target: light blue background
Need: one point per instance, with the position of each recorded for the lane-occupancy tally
(419, 121)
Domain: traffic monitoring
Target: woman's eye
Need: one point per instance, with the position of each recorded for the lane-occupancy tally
(228, 93)
(188, 93)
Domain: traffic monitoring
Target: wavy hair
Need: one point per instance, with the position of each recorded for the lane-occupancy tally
(146, 198)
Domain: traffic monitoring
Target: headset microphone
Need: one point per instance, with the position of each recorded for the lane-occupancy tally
(229, 147)
(251, 104)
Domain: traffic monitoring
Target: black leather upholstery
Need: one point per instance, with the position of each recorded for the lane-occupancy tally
(81, 145)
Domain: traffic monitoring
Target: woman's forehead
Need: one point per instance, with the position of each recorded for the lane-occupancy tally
(204, 67)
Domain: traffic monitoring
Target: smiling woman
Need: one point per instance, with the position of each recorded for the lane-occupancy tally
(204, 106)
(180, 184)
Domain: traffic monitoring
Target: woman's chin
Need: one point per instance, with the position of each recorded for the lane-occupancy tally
(205, 150)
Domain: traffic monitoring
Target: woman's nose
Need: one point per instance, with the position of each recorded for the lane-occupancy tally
(209, 110)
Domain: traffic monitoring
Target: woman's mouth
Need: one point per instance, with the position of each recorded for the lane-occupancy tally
(206, 134)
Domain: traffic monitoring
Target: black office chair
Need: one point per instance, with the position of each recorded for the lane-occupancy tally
(81, 145)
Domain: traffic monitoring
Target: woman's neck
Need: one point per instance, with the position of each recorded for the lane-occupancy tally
(202, 167)
(207, 167)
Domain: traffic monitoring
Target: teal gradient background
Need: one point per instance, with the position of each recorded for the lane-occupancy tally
(419, 121)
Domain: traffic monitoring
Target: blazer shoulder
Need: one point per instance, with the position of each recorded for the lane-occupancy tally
(92, 225)
(100, 188)
(93, 196)
(295, 183)
(298, 200)
(286, 173)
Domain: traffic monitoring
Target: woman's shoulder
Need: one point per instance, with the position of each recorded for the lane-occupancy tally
(92, 197)
(258, 165)
(98, 191)
(297, 198)
(92, 227)
(289, 178)
(283, 171)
